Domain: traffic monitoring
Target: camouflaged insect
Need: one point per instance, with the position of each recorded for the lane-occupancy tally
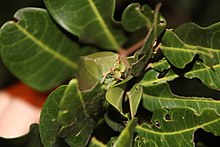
(105, 67)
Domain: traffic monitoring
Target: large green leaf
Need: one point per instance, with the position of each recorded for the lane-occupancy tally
(159, 96)
(181, 45)
(37, 51)
(76, 124)
(90, 20)
(66, 115)
(175, 127)
(48, 120)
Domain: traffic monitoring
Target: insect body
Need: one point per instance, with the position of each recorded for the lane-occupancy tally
(105, 67)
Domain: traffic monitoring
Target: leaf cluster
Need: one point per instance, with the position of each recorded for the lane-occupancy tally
(81, 42)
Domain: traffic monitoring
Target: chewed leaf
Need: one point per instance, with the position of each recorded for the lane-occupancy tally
(180, 47)
(210, 76)
(175, 127)
(159, 96)
(161, 65)
(90, 20)
(151, 78)
(36, 51)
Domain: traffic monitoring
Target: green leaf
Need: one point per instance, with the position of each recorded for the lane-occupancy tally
(48, 120)
(208, 75)
(76, 124)
(65, 115)
(93, 100)
(125, 139)
(134, 97)
(136, 17)
(175, 127)
(151, 78)
(96, 143)
(161, 65)
(37, 51)
(159, 96)
(82, 137)
(115, 97)
(90, 20)
(181, 45)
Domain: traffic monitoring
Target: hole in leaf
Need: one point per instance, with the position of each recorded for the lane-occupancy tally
(163, 73)
(192, 88)
(157, 124)
(162, 21)
(137, 138)
(53, 140)
(167, 117)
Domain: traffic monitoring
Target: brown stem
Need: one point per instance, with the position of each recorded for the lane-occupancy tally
(125, 52)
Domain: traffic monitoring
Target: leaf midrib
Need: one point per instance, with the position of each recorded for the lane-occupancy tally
(103, 24)
(184, 99)
(178, 132)
(188, 49)
(47, 48)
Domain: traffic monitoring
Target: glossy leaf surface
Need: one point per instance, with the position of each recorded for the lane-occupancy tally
(64, 115)
(90, 20)
(37, 51)
(175, 127)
